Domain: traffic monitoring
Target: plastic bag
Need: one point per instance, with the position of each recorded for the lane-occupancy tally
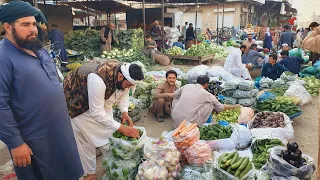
(162, 152)
(151, 171)
(246, 85)
(119, 168)
(265, 96)
(219, 71)
(239, 139)
(228, 92)
(198, 172)
(266, 82)
(247, 102)
(220, 174)
(298, 90)
(230, 100)
(232, 84)
(246, 114)
(127, 149)
(198, 153)
(278, 83)
(281, 169)
(7, 171)
(197, 71)
(245, 94)
(286, 133)
(288, 76)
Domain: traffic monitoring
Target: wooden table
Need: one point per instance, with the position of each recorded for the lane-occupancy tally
(192, 58)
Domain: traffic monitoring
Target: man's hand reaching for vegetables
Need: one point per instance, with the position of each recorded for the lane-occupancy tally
(129, 131)
(126, 118)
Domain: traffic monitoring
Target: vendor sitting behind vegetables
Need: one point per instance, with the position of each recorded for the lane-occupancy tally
(195, 104)
(273, 70)
(291, 63)
(164, 95)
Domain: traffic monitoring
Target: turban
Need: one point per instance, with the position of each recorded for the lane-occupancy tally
(125, 72)
(14, 10)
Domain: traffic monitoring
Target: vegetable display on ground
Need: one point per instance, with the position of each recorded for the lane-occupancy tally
(260, 151)
(214, 132)
(278, 106)
(234, 164)
(230, 115)
(268, 120)
(312, 85)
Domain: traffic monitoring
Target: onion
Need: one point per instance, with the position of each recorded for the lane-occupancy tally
(148, 155)
(161, 162)
(140, 173)
(174, 174)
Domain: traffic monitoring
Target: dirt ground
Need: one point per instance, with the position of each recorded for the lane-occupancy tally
(305, 126)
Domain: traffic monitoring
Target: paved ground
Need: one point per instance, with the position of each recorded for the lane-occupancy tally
(305, 126)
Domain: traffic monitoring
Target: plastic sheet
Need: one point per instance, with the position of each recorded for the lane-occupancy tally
(7, 171)
(246, 85)
(266, 96)
(298, 90)
(119, 168)
(278, 83)
(232, 84)
(198, 172)
(198, 153)
(197, 71)
(286, 133)
(246, 114)
(219, 71)
(288, 76)
(245, 94)
(230, 100)
(247, 102)
(266, 82)
(281, 169)
(127, 149)
(151, 171)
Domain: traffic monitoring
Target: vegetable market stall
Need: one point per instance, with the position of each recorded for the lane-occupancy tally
(200, 59)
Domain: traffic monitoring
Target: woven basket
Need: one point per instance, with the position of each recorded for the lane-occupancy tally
(161, 59)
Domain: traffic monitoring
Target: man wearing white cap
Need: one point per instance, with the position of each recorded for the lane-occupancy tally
(91, 91)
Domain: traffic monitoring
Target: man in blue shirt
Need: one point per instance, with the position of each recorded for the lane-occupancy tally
(179, 43)
(286, 37)
(57, 38)
(291, 63)
(34, 120)
(273, 70)
(252, 56)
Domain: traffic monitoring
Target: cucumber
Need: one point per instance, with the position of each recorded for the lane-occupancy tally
(232, 172)
(237, 174)
(246, 170)
(258, 165)
(244, 164)
(235, 158)
(226, 164)
(229, 169)
(238, 163)
(221, 157)
(225, 159)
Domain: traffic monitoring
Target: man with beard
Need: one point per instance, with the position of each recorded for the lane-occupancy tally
(195, 104)
(233, 63)
(249, 41)
(34, 121)
(164, 95)
(107, 37)
(91, 91)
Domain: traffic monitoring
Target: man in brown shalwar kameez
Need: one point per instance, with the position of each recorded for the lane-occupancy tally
(164, 96)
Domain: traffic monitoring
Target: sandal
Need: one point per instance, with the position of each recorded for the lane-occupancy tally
(92, 177)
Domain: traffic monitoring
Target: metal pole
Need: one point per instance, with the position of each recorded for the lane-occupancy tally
(46, 14)
(35, 3)
(162, 27)
(217, 23)
(144, 20)
(96, 19)
(88, 14)
(222, 26)
(196, 22)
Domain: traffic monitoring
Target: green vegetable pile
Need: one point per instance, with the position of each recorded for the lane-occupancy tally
(230, 115)
(117, 54)
(274, 105)
(260, 151)
(214, 132)
(278, 91)
(84, 41)
(220, 51)
(118, 134)
(202, 49)
(130, 38)
(312, 85)
(175, 51)
(234, 164)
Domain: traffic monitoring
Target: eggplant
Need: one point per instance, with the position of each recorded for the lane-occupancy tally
(286, 155)
(295, 156)
(292, 146)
